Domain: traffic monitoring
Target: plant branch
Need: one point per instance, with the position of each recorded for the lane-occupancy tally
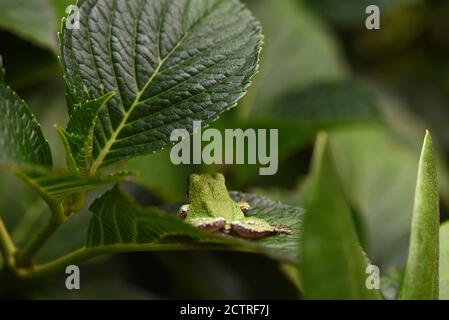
(86, 253)
(26, 255)
(31, 216)
(59, 216)
(7, 246)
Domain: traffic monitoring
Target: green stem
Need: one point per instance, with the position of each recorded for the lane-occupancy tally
(26, 255)
(85, 253)
(31, 216)
(7, 246)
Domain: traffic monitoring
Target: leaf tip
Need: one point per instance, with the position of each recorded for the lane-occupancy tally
(427, 148)
(428, 137)
(420, 280)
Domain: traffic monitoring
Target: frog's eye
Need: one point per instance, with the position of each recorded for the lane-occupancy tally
(218, 176)
(183, 211)
(244, 206)
(194, 178)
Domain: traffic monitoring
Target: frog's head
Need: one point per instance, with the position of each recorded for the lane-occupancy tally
(207, 186)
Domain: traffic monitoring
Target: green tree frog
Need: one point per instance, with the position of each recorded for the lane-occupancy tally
(212, 210)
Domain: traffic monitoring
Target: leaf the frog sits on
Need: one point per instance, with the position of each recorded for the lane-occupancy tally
(211, 209)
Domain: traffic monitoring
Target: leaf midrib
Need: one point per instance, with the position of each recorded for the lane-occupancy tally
(98, 161)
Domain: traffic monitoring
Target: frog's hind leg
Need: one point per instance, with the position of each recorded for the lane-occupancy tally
(251, 228)
(248, 233)
(254, 228)
(209, 225)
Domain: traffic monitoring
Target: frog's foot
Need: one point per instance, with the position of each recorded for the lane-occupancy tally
(209, 225)
(254, 228)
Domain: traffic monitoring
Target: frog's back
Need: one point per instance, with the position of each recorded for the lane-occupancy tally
(209, 197)
(228, 210)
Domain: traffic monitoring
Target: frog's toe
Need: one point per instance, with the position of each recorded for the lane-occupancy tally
(208, 224)
(279, 229)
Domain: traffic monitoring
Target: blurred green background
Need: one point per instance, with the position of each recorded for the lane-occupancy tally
(374, 91)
